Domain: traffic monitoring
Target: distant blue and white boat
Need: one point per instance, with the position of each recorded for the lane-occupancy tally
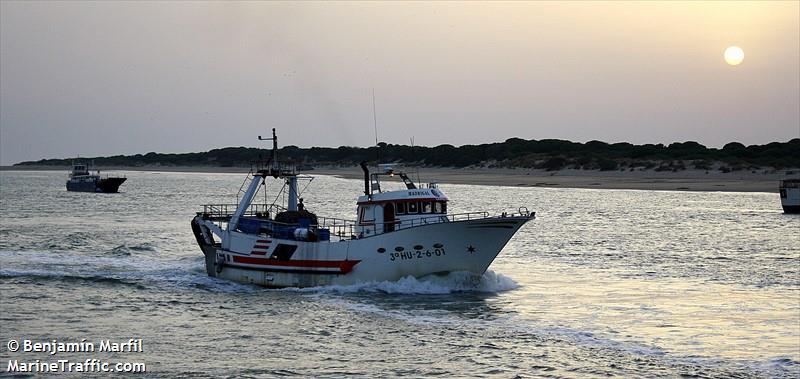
(81, 179)
(396, 234)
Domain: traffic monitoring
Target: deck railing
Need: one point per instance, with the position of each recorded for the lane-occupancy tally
(346, 229)
(377, 228)
(225, 211)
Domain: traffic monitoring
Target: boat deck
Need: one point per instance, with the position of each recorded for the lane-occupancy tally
(259, 219)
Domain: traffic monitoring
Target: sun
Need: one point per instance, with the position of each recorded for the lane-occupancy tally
(734, 55)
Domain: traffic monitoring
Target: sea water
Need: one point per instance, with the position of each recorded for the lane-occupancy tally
(602, 283)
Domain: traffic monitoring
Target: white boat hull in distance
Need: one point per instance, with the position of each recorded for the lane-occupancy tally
(439, 248)
(790, 196)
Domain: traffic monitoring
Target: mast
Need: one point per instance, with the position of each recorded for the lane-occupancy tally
(291, 202)
(289, 176)
(274, 140)
(375, 125)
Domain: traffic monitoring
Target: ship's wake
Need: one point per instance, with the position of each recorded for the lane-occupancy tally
(453, 282)
(115, 269)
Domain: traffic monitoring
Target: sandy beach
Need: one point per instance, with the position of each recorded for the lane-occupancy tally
(689, 180)
(686, 180)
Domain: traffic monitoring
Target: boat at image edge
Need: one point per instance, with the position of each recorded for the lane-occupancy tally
(790, 193)
(396, 234)
(81, 179)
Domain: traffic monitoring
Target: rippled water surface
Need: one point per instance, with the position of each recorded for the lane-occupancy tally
(603, 282)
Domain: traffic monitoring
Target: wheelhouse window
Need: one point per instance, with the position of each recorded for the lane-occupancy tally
(444, 206)
(367, 214)
(400, 208)
(412, 208)
(426, 207)
(437, 207)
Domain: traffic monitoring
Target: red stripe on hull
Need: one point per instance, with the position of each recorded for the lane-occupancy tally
(343, 266)
(258, 252)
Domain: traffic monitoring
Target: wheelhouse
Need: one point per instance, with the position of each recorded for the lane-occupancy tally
(79, 169)
(381, 212)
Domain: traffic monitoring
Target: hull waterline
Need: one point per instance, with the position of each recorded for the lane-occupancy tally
(791, 209)
(105, 185)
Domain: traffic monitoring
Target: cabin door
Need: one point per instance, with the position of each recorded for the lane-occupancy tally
(388, 217)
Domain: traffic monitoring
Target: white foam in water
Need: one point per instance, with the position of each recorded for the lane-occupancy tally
(416, 317)
(430, 285)
(183, 272)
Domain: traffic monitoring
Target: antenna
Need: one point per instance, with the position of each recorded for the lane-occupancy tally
(374, 117)
(419, 182)
(375, 124)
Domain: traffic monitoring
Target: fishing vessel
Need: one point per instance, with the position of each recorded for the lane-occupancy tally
(790, 194)
(396, 233)
(82, 179)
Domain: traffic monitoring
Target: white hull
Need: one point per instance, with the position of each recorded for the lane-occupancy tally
(469, 245)
(396, 234)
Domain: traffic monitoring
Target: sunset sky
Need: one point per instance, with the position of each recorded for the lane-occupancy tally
(107, 78)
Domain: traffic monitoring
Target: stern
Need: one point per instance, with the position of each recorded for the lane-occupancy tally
(207, 245)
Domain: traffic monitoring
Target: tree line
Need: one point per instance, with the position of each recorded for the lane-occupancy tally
(548, 154)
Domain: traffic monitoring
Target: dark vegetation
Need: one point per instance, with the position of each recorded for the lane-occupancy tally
(547, 154)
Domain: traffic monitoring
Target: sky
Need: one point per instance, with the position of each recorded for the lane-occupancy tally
(106, 78)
